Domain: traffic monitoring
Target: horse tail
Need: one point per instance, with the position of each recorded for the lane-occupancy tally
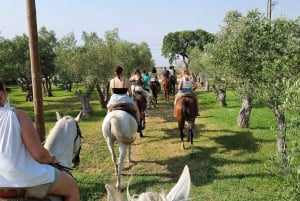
(115, 131)
(187, 110)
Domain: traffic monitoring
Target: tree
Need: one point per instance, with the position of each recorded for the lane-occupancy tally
(239, 49)
(180, 44)
(47, 46)
(64, 61)
(281, 63)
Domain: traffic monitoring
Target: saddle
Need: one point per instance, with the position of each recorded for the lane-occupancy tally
(37, 193)
(127, 107)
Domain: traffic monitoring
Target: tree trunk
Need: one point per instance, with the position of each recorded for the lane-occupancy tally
(102, 98)
(85, 101)
(281, 145)
(220, 95)
(206, 85)
(47, 88)
(244, 114)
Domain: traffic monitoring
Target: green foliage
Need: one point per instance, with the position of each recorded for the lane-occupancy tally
(181, 43)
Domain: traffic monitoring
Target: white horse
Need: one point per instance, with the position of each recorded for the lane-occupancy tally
(64, 141)
(119, 126)
(180, 192)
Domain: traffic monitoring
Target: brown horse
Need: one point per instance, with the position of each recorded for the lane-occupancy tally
(141, 103)
(167, 88)
(155, 90)
(185, 112)
(172, 85)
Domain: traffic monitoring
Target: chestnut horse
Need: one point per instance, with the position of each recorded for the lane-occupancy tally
(155, 90)
(185, 112)
(167, 88)
(142, 105)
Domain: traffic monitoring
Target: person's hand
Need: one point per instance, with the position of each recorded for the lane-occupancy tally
(53, 159)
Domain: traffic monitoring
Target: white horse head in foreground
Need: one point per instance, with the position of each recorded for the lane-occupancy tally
(64, 140)
(180, 192)
(119, 126)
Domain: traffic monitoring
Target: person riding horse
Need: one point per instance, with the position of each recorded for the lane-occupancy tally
(25, 162)
(154, 77)
(173, 79)
(165, 73)
(154, 84)
(187, 85)
(138, 84)
(120, 87)
(146, 78)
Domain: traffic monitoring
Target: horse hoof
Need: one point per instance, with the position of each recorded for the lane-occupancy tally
(141, 135)
(192, 150)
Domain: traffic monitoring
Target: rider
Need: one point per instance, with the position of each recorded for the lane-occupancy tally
(138, 84)
(120, 87)
(154, 77)
(172, 72)
(165, 73)
(25, 163)
(187, 85)
(146, 78)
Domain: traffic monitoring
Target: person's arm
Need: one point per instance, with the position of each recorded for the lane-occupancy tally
(111, 86)
(180, 85)
(129, 88)
(31, 139)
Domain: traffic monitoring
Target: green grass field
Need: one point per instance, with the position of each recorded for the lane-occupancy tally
(229, 163)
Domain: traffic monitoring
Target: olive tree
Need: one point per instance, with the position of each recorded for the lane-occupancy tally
(180, 44)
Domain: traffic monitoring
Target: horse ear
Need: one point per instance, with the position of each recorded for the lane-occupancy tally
(113, 194)
(78, 117)
(181, 190)
(58, 117)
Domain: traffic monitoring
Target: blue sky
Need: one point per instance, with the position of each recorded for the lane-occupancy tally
(137, 20)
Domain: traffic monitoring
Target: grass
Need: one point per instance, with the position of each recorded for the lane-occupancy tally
(229, 163)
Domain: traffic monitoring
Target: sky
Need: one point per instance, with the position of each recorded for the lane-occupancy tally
(136, 20)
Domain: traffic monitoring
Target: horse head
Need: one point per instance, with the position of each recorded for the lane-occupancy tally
(179, 192)
(64, 140)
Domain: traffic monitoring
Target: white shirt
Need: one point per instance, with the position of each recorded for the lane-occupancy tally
(187, 83)
(17, 167)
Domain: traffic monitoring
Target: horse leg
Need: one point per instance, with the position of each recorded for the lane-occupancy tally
(143, 123)
(129, 154)
(122, 151)
(110, 145)
(181, 127)
(192, 136)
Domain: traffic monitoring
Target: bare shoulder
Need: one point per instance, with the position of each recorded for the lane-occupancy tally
(21, 114)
